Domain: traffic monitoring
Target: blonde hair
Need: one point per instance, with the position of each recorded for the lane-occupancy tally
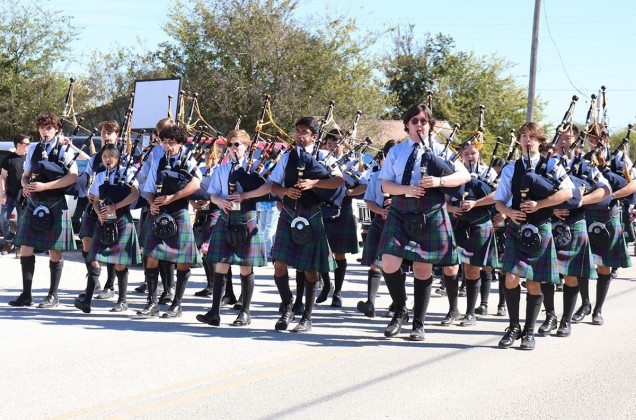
(240, 134)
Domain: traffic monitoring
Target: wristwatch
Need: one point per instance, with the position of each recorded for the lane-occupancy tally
(442, 182)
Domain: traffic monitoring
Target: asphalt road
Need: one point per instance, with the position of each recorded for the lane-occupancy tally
(61, 363)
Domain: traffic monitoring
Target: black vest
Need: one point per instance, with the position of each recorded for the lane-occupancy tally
(53, 157)
(172, 187)
(308, 198)
(538, 216)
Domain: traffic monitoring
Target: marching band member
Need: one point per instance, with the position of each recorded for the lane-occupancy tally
(235, 239)
(47, 223)
(529, 251)
(114, 237)
(169, 236)
(418, 227)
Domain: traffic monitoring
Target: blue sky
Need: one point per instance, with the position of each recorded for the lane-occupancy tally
(595, 40)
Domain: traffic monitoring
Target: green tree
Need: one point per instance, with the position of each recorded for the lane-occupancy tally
(232, 52)
(33, 38)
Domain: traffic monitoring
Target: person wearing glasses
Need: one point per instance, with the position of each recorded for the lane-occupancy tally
(12, 168)
(416, 197)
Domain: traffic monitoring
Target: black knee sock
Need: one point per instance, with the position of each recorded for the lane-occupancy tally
(584, 290)
(56, 276)
(547, 290)
(450, 282)
(86, 263)
(300, 286)
(421, 297)
(533, 307)
(93, 278)
(326, 279)
(602, 287)
(166, 271)
(569, 300)
(110, 276)
(28, 269)
(208, 267)
(395, 282)
(152, 280)
(182, 283)
(311, 289)
(229, 289)
(513, 296)
(122, 284)
(373, 284)
(339, 275)
(484, 289)
(218, 289)
(282, 284)
(247, 290)
(501, 284)
(472, 292)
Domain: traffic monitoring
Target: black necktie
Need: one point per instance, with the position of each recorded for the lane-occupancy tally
(408, 169)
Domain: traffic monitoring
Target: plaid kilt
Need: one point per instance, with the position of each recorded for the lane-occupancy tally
(576, 260)
(202, 233)
(180, 249)
(251, 254)
(89, 223)
(500, 238)
(342, 232)
(615, 255)
(476, 243)
(59, 237)
(314, 256)
(370, 250)
(439, 248)
(540, 267)
(124, 252)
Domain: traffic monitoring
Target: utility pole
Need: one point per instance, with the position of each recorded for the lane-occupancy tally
(533, 60)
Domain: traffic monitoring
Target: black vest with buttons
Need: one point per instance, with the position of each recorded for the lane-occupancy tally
(540, 216)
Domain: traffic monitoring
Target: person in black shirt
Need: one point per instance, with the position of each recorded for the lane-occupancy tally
(12, 168)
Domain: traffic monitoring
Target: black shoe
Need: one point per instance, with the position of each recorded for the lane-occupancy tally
(207, 292)
(549, 324)
(581, 313)
(239, 303)
(298, 308)
(468, 320)
(558, 288)
(417, 334)
(243, 319)
(285, 319)
(304, 326)
(106, 294)
(527, 340)
(167, 297)
(501, 310)
(366, 308)
(449, 318)
(21, 301)
(523, 284)
(142, 288)
(390, 313)
(151, 310)
(82, 306)
(395, 325)
(461, 292)
(175, 311)
(597, 318)
(482, 310)
(564, 328)
(120, 307)
(228, 300)
(49, 302)
(210, 319)
(336, 301)
(441, 291)
(324, 294)
(614, 273)
(513, 332)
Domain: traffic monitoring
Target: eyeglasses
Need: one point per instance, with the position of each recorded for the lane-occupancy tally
(302, 133)
(25, 144)
(236, 144)
(422, 121)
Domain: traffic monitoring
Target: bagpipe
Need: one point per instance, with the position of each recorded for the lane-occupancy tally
(111, 194)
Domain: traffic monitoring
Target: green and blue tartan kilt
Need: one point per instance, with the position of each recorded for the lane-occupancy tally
(251, 254)
(342, 231)
(314, 256)
(370, 251)
(180, 249)
(615, 255)
(540, 267)
(89, 223)
(576, 260)
(439, 247)
(476, 244)
(58, 237)
(124, 252)
(202, 233)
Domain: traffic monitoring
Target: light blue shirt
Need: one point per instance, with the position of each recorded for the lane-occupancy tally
(65, 156)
